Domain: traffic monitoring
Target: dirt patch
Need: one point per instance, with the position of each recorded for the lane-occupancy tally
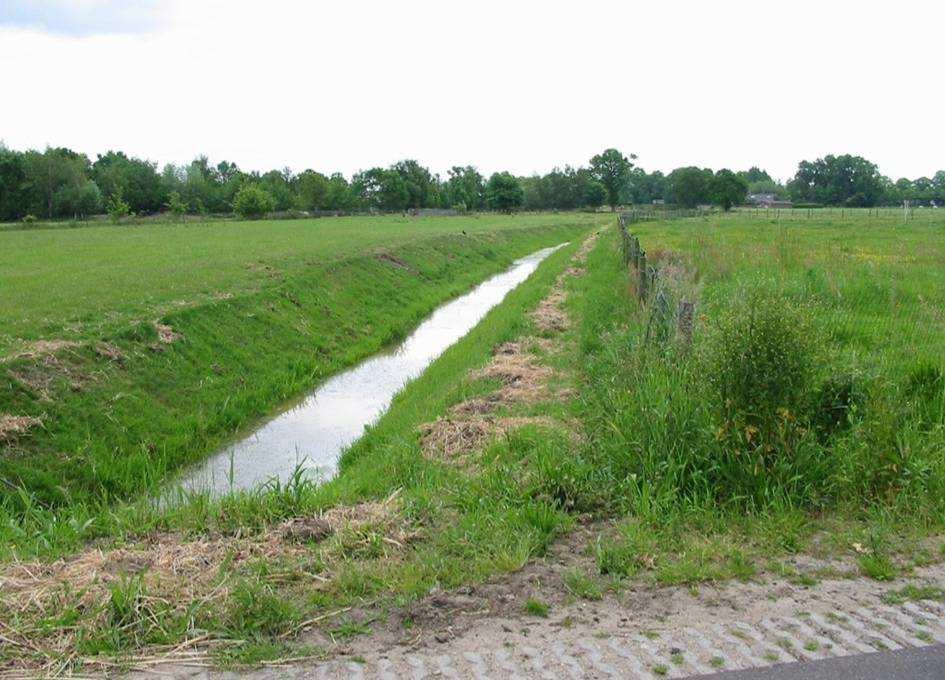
(394, 261)
(12, 427)
(166, 334)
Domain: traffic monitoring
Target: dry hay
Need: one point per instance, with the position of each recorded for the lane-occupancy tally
(523, 380)
(110, 352)
(454, 439)
(166, 334)
(41, 376)
(478, 405)
(548, 315)
(12, 427)
(576, 272)
(40, 348)
(185, 570)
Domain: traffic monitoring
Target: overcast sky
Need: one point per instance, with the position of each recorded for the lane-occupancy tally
(500, 84)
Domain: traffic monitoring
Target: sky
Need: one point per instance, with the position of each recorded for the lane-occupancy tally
(516, 85)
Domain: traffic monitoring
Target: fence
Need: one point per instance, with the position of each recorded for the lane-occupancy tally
(665, 315)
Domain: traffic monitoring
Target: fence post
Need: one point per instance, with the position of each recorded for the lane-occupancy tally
(641, 276)
(684, 322)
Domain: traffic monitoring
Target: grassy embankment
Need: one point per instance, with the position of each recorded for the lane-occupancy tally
(171, 338)
(234, 573)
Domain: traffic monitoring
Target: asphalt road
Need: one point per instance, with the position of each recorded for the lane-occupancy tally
(921, 663)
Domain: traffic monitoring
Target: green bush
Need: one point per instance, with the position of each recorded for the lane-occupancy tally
(761, 363)
(117, 208)
(252, 202)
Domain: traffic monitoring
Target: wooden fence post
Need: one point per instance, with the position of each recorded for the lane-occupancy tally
(684, 322)
(641, 276)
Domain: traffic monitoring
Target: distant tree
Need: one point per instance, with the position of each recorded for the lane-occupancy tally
(78, 201)
(380, 189)
(339, 195)
(312, 190)
(48, 173)
(135, 180)
(611, 168)
(13, 195)
(465, 185)
(418, 182)
(593, 195)
(839, 180)
(689, 186)
(279, 185)
(252, 201)
(504, 192)
(643, 187)
(727, 189)
(755, 174)
(176, 205)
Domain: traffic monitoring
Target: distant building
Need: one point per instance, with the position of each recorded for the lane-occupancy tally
(768, 200)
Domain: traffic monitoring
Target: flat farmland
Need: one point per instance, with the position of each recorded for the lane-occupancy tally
(80, 283)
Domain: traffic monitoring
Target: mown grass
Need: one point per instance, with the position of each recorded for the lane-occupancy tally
(267, 311)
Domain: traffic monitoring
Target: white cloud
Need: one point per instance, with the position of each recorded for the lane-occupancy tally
(517, 85)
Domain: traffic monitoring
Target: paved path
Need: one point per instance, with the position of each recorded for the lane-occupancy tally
(687, 652)
(923, 663)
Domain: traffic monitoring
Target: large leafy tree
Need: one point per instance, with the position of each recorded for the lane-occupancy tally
(465, 185)
(312, 188)
(504, 192)
(839, 180)
(134, 180)
(13, 195)
(689, 186)
(419, 183)
(50, 172)
(380, 189)
(643, 187)
(727, 189)
(612, 169)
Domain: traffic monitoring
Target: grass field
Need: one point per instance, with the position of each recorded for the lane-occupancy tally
(84, 284)
(806, 418)
(168, 339)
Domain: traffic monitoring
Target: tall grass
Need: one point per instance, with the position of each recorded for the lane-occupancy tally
(776, 406)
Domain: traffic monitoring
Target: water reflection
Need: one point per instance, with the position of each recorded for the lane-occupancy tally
(315, 432)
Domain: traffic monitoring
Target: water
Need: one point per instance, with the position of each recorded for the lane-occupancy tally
(313, 434)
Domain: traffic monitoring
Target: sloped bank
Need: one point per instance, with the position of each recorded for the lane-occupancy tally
(110, 419)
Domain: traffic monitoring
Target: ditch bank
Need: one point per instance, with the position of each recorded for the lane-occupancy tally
(101, 421)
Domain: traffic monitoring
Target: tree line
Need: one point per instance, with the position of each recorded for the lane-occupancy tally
(61, 183)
